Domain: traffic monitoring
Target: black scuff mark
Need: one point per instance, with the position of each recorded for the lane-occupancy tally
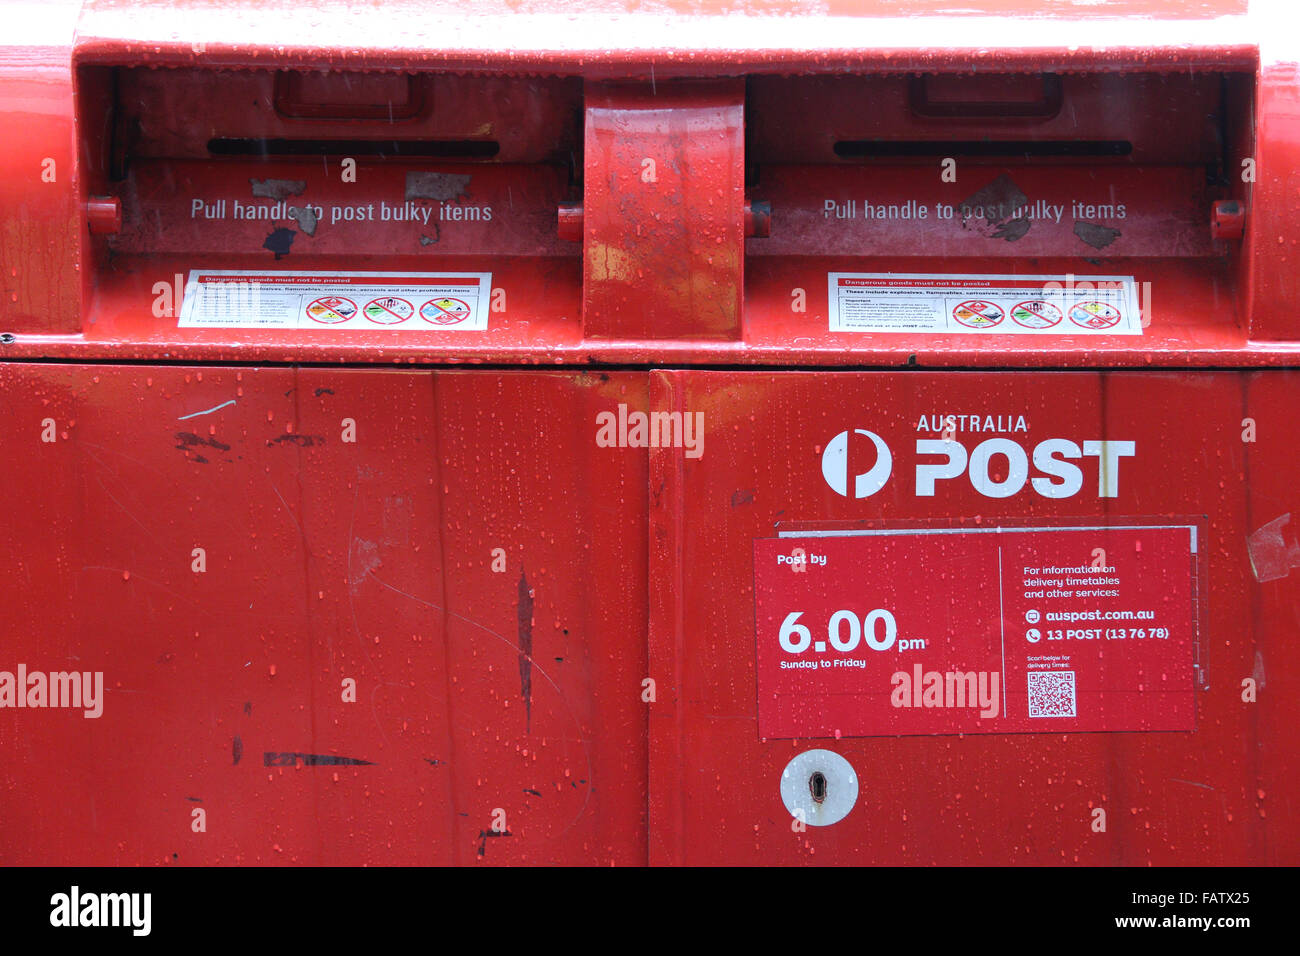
(188, 442)
(278, 188)
(280, 241)
(742, 496)
(483, 836)
(434, 762)
(248, 707)
(194, 799)
(1095, 234)
(236, 751)
(189, 439)
(535, 793)
(270, 759)
(324, 391)
(302, 441)
(525, 622)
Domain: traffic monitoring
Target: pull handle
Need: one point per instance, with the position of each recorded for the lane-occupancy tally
(340, 96)
(986, 97)
(758, 220)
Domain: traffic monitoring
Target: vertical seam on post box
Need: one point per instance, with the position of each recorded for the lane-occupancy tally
(439, 501)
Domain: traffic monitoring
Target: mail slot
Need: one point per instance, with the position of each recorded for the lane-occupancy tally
(324, 174)
(1098, 179)
(650, 438)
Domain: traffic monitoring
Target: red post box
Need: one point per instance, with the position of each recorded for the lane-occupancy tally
(674, 438)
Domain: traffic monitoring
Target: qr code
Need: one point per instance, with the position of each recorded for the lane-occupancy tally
(1051, 694)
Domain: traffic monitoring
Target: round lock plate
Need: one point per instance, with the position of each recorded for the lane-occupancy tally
(819, 787)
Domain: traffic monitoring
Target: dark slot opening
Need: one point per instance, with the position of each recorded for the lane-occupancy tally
(442, 149)
(867, 149)
(817, 786)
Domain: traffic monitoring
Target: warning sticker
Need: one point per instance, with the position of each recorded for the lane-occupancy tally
(445, 310)
(389, 310)
(417, 301)
(331, 309)
(1017, 630)
(989, 305)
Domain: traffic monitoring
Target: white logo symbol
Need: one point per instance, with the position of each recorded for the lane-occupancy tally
(835, 466)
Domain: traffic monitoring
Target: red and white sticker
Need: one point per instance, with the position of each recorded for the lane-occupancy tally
(397, 301)
(984, 305)
(977, 630)
(389, 310)
(331, 309)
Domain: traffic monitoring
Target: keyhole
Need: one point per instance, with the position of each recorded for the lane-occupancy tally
(817, 786)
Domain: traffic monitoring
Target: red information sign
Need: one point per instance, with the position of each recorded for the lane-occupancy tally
(976, 630)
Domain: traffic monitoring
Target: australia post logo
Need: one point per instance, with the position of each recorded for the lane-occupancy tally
(857, 463)
(836, 470)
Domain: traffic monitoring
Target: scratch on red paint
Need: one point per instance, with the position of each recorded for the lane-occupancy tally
(525, 618)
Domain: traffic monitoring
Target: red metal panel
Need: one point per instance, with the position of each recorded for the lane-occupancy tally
(1165, 212)
(800, 119)
(1275, 194)
(213, 541)
(664, 211)
(208, 212)
(523, 119)
(1213, 796)
(627, 38)
(477, 690)
(40, 222)
(667, 246)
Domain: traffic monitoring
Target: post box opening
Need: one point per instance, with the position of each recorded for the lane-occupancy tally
(255, 172)
(1114, 174)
